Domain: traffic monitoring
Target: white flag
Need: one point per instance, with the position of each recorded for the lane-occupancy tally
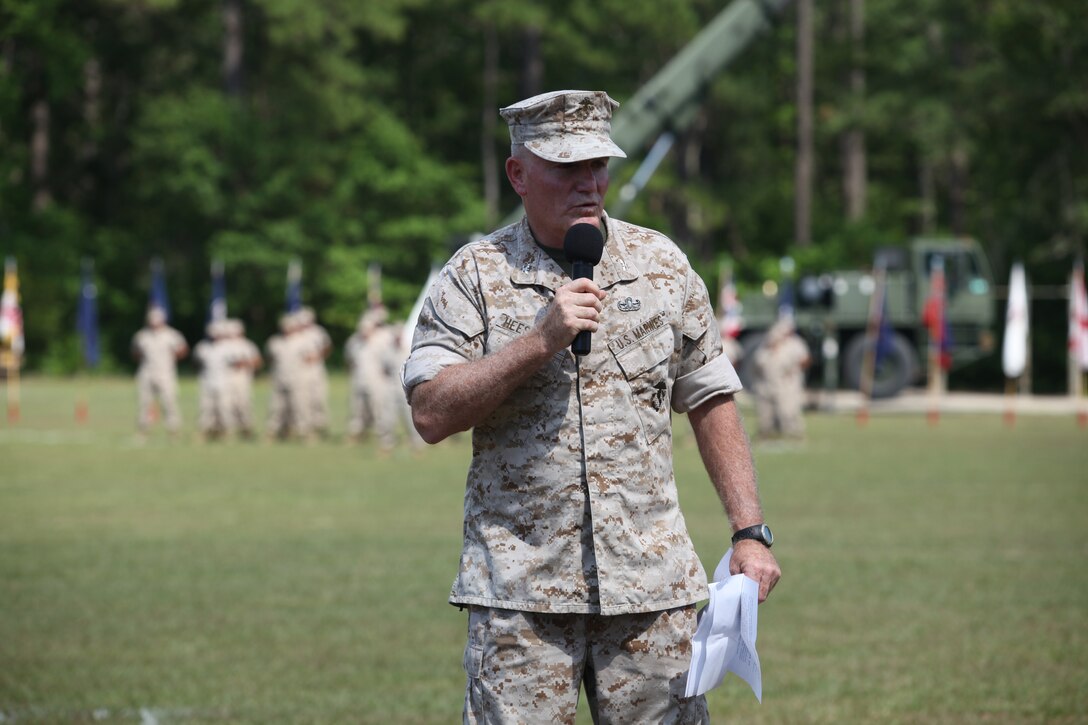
(1014, 352)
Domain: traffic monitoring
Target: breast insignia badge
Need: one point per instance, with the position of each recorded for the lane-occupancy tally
(630, 304)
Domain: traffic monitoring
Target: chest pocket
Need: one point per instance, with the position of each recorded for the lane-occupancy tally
(646, 367)
(499, 337)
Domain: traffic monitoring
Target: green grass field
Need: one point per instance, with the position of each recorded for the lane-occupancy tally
(932, 574)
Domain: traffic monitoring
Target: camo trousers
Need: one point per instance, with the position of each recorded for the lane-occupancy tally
(526, 667)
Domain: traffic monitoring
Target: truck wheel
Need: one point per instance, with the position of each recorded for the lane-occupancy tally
(893, 373)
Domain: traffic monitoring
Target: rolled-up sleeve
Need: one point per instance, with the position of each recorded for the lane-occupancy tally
(704, 371)
(717, 377)
(450, 327)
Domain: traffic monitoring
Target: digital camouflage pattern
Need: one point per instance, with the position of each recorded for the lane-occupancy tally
(779, 385)
(156, 377)
(570, 503)
(525, 667)
(564, 126)
(315, 344)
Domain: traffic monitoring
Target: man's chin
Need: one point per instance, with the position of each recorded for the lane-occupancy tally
(593, 218)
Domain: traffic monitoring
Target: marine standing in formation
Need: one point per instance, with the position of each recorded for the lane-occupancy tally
(316, 345)
(576, 566)
(298, 380)
(158, 347)
(211, 355)
(375, 356)
(275, 348)
(289, 407)
(779, 366)
(243, 360)
(362, 372)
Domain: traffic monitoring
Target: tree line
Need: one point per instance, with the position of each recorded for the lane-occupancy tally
(349, 134)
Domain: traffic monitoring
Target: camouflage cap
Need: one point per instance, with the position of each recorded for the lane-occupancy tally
(372, 318)
(156, 315)
(780, 330)
(564, 126)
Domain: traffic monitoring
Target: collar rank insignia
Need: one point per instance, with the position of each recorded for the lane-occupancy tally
(629, 304)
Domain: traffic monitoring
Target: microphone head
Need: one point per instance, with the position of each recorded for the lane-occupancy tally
(583, 243)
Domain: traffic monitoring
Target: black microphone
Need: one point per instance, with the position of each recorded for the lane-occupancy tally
(583, 246)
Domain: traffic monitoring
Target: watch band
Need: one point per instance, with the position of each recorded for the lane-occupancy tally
(759, 532)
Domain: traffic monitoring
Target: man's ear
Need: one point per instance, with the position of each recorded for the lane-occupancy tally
(515, 172)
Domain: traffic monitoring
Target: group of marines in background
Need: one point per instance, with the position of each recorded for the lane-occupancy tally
(299, 386)
(298, 381)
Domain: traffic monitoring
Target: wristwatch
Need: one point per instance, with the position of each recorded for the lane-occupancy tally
(759, 532)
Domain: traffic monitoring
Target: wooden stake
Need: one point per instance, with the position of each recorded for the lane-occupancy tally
(14, 412)
(1010, 401)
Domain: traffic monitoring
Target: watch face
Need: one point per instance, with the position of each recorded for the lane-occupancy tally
(765, 532)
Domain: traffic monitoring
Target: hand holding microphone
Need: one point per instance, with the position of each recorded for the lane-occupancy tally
(583, 245)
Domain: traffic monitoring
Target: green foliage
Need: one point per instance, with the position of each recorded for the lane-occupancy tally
(354, 137)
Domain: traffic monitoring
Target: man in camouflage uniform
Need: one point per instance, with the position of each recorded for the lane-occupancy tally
(358, 357)
(375, 356)
(779, 365)
(316, 344)
(289, 406)
(211, 355)
(243, 360)
(576, 564)
(275, 348)
(158, 347)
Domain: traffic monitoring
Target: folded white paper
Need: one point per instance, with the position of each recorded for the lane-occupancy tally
(725, 640)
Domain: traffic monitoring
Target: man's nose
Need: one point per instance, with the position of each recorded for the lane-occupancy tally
(587, 178)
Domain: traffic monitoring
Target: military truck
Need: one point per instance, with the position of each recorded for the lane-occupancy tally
(831, 310)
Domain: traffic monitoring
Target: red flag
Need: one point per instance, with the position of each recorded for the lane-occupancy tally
(729, 307)
(935, 316)
(1078, 317)
(11, 315)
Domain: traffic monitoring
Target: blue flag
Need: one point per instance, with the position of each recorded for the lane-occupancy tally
(294, 286)
(884, 330)
(786, 298)
(159, 297)
(87, 315)
(217, 310)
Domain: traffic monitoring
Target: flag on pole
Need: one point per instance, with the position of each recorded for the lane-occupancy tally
(884, 329)
(218, 308)
(878, 337)
(159, 297)
(294, 286)
(935, 316)
(1014, 349)
(11, 315)
(374, 284)
(729, 307)
(786, 295)
(11, 336)
(786, 298)
(1078, 318)
(87, 314)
